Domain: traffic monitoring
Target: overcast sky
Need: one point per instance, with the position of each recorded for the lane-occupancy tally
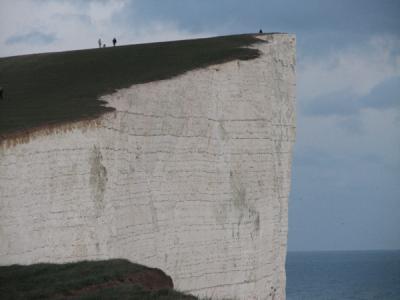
(346, 170)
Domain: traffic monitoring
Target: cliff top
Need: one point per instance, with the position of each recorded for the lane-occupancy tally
(49, 89)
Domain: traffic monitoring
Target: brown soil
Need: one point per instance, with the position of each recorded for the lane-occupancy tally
(148, 280)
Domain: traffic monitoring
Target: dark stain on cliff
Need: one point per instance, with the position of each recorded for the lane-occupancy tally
(243, 210)
(98, 179)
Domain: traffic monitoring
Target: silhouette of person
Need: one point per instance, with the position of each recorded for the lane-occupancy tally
(99, 41)
(114, 41)
(260, 31)
(104, 45)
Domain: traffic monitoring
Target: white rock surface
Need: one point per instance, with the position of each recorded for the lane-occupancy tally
(190, 175)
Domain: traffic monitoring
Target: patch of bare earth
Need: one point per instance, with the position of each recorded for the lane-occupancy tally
(148, 280)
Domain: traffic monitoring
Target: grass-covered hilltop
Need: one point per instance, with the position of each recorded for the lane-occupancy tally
(48, 89)
(111, 279)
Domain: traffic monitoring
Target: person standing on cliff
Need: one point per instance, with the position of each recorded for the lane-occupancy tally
(99, 41)
(114, 41)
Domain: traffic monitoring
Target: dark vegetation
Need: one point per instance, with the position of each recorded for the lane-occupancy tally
(48, 89)
(111, 279)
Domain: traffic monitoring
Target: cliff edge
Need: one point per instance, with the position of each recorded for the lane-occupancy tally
(189, 173)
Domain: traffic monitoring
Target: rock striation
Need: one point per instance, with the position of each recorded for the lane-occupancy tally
(190, 175)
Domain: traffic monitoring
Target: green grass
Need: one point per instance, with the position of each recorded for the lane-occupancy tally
(53, 88)
(61, 281)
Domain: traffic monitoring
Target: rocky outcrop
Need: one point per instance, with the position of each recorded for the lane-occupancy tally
(190, 175)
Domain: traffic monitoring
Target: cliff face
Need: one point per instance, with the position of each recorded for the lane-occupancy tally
(190, 175)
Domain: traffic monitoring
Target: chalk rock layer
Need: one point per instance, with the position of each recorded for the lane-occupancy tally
(190, 175)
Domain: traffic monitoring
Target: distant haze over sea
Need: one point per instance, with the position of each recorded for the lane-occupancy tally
(343, 275)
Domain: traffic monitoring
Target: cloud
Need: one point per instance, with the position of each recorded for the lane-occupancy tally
(342, 102)
(78, 25)
(345, 103)
(284, 15)
(370, 133)
(385, 95)
(349, 80)
(357, 69)
(33, 37)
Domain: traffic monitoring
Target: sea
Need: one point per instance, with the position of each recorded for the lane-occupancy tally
(343, 275)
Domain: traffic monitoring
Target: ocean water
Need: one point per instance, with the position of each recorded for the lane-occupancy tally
(343, 275)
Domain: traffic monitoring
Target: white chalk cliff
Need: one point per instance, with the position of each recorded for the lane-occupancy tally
(190, 175)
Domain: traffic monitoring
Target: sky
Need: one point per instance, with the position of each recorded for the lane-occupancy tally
(346, 166)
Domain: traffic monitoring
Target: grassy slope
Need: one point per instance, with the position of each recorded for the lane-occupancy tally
(61, 281)
(54, 88)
